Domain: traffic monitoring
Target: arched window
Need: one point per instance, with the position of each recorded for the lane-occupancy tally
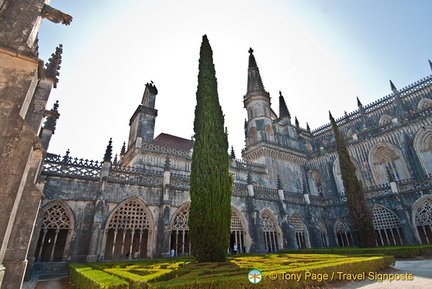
(385, 119)
(386, 164)
(315, 184)
(338, 175)
(237, 232)
(127, 232)
(180, 232)
(301, 234)
(387, 227)
(270, 232)
(425, 103)
(270, 133)
(343, 234)
(422, 215)
(323, 233)
(55, 234)
(423, 147)
(253, 135)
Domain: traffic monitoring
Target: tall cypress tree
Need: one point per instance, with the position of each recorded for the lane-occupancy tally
(210, 181)
(360, 214)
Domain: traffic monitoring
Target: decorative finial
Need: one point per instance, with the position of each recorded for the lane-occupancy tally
(250, 50)
(307, 127)
(123, 149)
(392, 86)
(167, 165)
(53, 65)
(108, 152)
(330, 116)
(232, 153)
(297, 122)
(249, 179)
(115, 159)
(283, 109)
(279, 183)
(66, 157)
(55, 106)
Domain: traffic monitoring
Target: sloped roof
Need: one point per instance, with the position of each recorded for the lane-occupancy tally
(174, 142)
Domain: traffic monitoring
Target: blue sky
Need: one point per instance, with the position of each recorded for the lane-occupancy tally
(320, 54)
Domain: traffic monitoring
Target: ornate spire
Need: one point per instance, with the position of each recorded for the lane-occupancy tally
(359, 104)
(123, 149)
(53, 65)
(108, 152)
(392, 86)
(254, 78)
(283, 109)
(51, 117)
(232, 153)
(115, 159)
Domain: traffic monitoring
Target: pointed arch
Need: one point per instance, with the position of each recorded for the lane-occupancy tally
(300, 231)
(387, 163)
(323, 233)
(315, 183)
(343, 234)
(385, 119)
(129, 231)
(269, 133)
(238, 232)
(338, 175)
(424, 103)
(387, 227)
(180, 231)
(252, 135)
(56, 233)
(423, 147)
(422, 219)
(271, 231)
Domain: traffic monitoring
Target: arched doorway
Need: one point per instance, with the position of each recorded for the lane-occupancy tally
(422, 215)
(180, 232)
(343, 234)
(127, 232)
(270, 231)
(237, 232)
(301, 235)
(55, 234)
(387, 227)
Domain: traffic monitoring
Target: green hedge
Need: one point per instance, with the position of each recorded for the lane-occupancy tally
(85, 277)
(409, 251)
(138, 278)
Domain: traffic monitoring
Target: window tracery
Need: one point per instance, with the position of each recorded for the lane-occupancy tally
(343, 234)
(387, 227)
(269, 229)
(423, 220)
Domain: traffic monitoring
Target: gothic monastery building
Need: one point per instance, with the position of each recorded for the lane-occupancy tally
(287, 193)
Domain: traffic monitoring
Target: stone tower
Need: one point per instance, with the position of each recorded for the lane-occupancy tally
(142, 122)
(257, 103)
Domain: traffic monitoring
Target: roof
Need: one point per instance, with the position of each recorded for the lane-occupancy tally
(174, 142)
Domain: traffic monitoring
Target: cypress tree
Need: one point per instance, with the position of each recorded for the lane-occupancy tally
(360, 214)
(210, 181)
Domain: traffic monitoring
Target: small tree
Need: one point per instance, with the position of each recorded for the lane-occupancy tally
(360, 214)
(210, 181)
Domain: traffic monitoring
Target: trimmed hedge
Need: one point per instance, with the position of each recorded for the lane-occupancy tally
(409, 251)
(85, 277)
(185, 273)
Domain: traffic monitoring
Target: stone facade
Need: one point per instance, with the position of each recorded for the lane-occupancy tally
(25, 86)
(288, 191)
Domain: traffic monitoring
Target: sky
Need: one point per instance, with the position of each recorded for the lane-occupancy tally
(321, 54)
